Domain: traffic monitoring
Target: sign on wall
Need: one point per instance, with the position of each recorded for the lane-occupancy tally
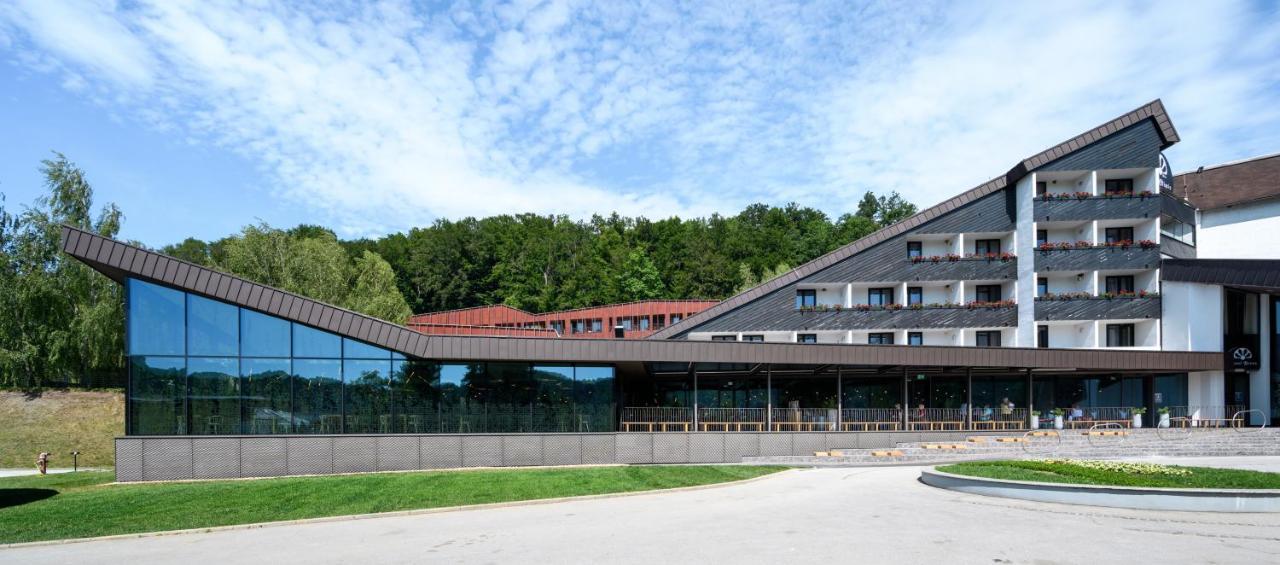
(1241, 353)
(1166, 174)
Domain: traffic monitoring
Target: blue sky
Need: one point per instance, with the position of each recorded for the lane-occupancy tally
(200, 117)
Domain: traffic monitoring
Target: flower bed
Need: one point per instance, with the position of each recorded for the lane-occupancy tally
(1115, 473)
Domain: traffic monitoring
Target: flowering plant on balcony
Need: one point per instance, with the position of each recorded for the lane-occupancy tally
(1121, 243)
(1050, 296)
(917, 306)
(952, 257)
(1046, 246)
(1081, 195)
(1146, 194)
(917, 258)
(1147, 244)
(1082, 244)
(989, 304)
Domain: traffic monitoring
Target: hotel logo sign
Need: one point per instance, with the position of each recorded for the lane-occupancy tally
(1242, 353)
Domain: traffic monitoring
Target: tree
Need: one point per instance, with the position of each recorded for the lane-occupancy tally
(639, 279)
(60, 322)
(374, 290)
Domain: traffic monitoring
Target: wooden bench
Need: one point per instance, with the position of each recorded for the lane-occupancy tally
(998, 424)
(870, 426)
(733, 426)
(1077, 424)
(803, 426)
(935, 426)
(887, 453)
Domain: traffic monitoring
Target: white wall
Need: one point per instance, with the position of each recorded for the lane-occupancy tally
(1067, 282)
(1072, 336)
(1191, 316)
(1205, 388)
(1249, 231)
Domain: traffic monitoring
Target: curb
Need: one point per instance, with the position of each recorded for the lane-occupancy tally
(1134, 498)
(394, 514)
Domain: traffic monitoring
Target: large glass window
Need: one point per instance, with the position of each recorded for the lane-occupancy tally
(213, 386)
(880, 296)
(1118, 187)
(915, 296)
(157, 396)
(986, 247)
(553, 399)
(989, 338)
(415, 396)
(880, 338)
(986, 292)
(267, 404)
(213, 328)
(310, 342)
(464, 396)
(915, 249)
(593, 399)
(262, 335)
(317, 396)
(1119, 284)
(1119, 335)
(366, 397)
(157, 320)
(352, 349)
(1116, 236)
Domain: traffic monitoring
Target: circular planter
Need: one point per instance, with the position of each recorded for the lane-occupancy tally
(1140, 498)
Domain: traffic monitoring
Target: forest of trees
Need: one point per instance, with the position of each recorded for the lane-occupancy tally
(62, 324)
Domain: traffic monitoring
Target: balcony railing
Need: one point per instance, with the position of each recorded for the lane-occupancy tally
(731, 419)
(1087, 307)
(988, 418)
(1206, 416)
(1088, 207)
(656, 419)
(804, 419)
(935, 419)
(870, 419)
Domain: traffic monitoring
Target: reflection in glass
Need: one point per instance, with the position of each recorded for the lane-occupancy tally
(310, 342)
(366, 396)
(214, 387)
(317, 396)
(352, 349)
(415, 395)
(157, 396)
(462, 397)
(510, 407)
(870, 392)
(262, 335)
(213, 328)
(593, 399)
(266, 396)
(553, 401)
(157, 324)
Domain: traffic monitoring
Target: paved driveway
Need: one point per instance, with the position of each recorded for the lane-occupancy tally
(866, 515)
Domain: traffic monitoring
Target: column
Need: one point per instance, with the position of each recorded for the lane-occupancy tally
(1030, 394)
(768, 397)
(694, 370)
(968, 398)
(839, 399)
(905, 397)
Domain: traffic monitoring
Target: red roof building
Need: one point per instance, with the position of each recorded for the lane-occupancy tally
(636, 320)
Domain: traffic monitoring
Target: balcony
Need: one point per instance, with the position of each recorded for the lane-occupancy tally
(998, 315)
(954, 268)
(1098, 257)
(1073, 208)
(1097, 308)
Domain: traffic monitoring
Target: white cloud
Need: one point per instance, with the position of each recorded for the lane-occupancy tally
(382, 117)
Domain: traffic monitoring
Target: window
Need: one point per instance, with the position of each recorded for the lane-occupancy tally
(352, 349)
(1119, 335)
(1117, 235)
(1119, 186)
(880, 296)
(213, 328)
(659, 321)
(675, 318)
(1042, 188)
(1042, 237)
(986, 246)
(579, 326)
(1176, 229)
(157, 394)
(752, 338)
(724, 338)
(625, 323)
(915, 295)
(987, 338)
(1042, 336)
(597, 326)
(644, 322)
(915, 249)
(1042, 286)
(987, 293)
(807, 338)
(157, 320)
(805, 298)
(885, 338)
(266, 396)
(309, 342)
(262, 335)
(915, 338)
(213, 384)
(558, 326)
(1120, 284)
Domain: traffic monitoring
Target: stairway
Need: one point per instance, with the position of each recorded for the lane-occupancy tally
(1075, 444)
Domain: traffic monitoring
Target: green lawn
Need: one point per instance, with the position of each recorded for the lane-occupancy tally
(83, 504)
(1147, 475)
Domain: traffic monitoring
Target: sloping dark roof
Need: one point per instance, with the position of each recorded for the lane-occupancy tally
(1259, 274)
(1153, 110)
(1230, 184)
(120, 261)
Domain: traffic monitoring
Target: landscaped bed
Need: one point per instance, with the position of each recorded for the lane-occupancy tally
(76, 505)
(1115, 473)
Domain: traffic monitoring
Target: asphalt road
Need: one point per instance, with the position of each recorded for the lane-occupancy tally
(846, 515)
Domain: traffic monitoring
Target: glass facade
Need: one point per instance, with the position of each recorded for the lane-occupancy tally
(203, 367)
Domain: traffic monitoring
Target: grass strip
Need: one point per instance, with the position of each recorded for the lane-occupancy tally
(1069, 473)
(64, 506)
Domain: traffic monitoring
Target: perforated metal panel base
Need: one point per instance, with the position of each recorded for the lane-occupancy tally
(153, 458)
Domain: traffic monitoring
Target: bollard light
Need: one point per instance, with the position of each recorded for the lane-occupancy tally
(75, 461)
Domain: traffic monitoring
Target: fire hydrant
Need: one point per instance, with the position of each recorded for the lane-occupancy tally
(42, 462)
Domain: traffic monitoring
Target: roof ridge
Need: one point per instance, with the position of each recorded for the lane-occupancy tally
(1228, 164)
